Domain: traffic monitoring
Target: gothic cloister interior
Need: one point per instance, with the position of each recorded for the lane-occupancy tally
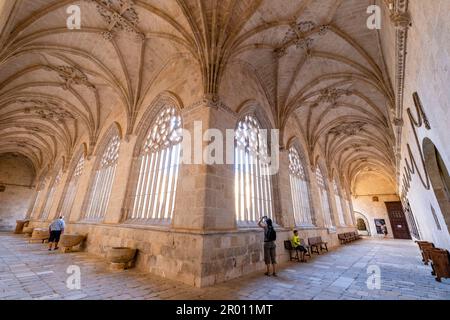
(172, 126)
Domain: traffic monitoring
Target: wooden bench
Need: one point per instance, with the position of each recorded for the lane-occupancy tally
(317, 244)
(342, 238)
(355, 235)
(348, 237)
(440, 263)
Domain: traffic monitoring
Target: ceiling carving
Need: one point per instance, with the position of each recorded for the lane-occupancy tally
(71, 75)
(314, 61)
(119, 15)
(301, 35)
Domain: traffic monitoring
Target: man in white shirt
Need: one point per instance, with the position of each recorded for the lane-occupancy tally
(56, 228)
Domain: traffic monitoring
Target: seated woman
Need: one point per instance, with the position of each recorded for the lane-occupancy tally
(297, 246)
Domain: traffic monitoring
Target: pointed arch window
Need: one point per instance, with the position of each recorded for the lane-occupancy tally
(299, 190)
(72, 187)
(51, 194)
(103, 181)
(158, 163)
(412, 222)
(339, 203)
(323, 194)
(253, 186)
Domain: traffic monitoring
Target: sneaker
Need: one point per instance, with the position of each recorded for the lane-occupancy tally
(267, 274)
(274, 274)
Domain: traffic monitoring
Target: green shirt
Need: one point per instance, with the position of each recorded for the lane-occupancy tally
(295, 241)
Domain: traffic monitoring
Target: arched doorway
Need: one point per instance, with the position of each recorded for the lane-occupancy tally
(17, 175)
(362, 224)
(440, 179)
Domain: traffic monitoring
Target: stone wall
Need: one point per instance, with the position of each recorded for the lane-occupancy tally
(194, 258)
(17, 176)
(202, 245)
(427, 73)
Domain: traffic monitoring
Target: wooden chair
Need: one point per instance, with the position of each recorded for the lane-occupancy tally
(419, 243)
(440, 262)
(424, 247)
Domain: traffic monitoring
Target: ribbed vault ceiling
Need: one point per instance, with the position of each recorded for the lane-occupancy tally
(314, 61)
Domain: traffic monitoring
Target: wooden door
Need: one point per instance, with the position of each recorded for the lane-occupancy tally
(397, 217)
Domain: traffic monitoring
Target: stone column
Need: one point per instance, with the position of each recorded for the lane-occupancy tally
(286, 211)
(333, 205)
(42, 200)
(118, 192)
(83, 188)
(351, 215)
(57, 198)
(205, 192)
(315, 201)
(332, 202)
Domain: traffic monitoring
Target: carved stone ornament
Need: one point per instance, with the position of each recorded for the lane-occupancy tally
(331, 95)
(71, 75)
(120, 15)
(299, 35)
(348, 129)
(45, 109)
(401, 19)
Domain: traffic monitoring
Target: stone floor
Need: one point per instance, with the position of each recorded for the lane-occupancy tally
(29, 271)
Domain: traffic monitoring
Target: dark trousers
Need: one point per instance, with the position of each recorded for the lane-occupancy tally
(301, 249)
(54, 236)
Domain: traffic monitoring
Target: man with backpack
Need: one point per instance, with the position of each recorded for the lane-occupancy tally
(270, 236)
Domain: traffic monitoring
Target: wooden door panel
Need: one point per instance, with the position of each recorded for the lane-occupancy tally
(398, 221)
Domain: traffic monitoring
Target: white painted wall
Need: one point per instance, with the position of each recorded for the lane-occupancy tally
(427, 72)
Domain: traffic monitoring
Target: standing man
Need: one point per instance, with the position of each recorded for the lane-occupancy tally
(56, 228)
(269, 244)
